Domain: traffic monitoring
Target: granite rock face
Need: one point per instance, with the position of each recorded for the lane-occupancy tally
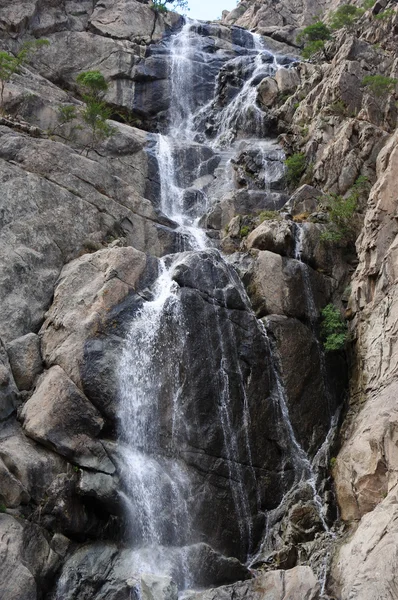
(81, 238)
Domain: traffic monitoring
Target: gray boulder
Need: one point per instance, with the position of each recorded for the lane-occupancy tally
(298, 583)
(28, 563)
(27, 469)
(60, 417)
(25, 360)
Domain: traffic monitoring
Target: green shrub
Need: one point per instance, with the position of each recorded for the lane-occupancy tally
(295, 167)
(338, 107)
(318, 31)
(333, 329)
(332, 462)
(160, 5)
(9, 64)
(268, 215)
(314, 37)
(3, 507)
(368, 4)
(341, 210)
(93, 87)
(244, 231)
(385, 14)
(345, 16)
(379, 85)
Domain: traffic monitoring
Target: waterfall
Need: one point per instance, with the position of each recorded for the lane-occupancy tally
(164, 483)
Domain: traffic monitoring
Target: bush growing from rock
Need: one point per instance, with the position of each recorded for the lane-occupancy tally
(268, 215)
(9, 64)
(314, 37)
(295, 167)
(93, 87)
(379, 85)
(333, 329)
(385, 14)
(345, 16)
(95, 113)
(244, 231)
(161, 5)
(341, 211)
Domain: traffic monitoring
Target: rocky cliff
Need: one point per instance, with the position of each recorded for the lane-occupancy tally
(169, 416)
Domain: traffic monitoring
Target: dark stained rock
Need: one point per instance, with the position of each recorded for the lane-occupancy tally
(8, 389)
(312, 401)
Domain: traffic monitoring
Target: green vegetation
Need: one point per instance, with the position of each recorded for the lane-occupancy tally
(92, 87)
(10, 64)
(244, 231)
(333, 329)
(379, 85)
(338, 107)
(66, 116)
(341, 211)
(314, 37)
(368, 4)
(268, 215)
(161, 5)
(385, 14)
(295, 167)
(340, 226)
(333, 462)
(345, 16)
(3, 507)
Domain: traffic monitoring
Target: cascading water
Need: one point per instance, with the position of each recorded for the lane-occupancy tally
(161, 454)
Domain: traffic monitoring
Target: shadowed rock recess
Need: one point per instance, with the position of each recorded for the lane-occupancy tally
(171, 425)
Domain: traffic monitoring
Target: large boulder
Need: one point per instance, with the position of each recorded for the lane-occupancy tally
(374, 545)
(29, 559)
(131, 20)
(60, 417)
(275, 236)
(27, 469)
(282, 286)
(92, 295)
(299, 582)
(115, 573)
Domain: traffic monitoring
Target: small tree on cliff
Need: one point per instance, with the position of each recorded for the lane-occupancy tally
(161, 5)
(10, 64)
(345, 16)
(314, 37)
(93, 87)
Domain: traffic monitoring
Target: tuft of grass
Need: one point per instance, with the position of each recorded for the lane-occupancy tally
(268, 215)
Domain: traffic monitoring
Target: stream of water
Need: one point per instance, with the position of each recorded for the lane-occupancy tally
(200, 140)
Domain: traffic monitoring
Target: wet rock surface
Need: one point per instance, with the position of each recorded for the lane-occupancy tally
(81, 237)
